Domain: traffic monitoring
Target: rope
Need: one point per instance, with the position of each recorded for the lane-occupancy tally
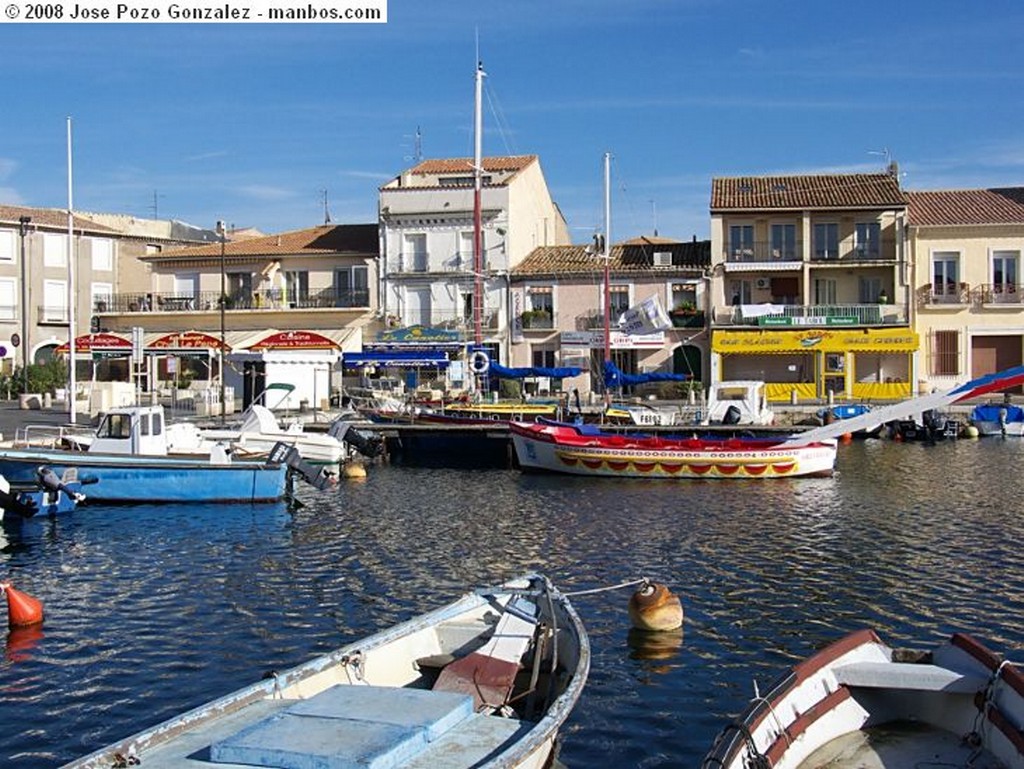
(631, 583)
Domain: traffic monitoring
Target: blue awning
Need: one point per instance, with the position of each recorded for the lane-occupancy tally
(394, 358)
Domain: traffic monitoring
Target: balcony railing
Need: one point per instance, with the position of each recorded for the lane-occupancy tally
(421, 265)
(1000, 293)
(489, 320)
(538, 320)
(594, 321)
(209, 301)
(885, 250)
(812, 315)
(951, 294)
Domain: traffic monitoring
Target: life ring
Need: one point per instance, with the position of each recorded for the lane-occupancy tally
(479, 362)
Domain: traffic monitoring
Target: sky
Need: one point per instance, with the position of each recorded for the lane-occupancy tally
(258, 124)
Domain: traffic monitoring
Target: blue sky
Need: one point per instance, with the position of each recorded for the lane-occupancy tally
(250, 123)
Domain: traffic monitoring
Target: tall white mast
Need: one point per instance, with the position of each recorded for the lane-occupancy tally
(478, 260)
(72, 293)
(606, 253)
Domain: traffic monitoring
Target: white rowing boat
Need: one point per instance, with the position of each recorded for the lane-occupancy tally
(859, 704)
(486, 681)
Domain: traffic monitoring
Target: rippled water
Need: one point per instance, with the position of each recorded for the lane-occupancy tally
(152, 610)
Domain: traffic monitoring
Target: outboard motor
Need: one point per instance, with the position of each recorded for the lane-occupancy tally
(283, 454)
(366, 442)
(732, 416)
(16, 503)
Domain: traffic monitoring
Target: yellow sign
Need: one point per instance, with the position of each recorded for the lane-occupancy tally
(832, 340)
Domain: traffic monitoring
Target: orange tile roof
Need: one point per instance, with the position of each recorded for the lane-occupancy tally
(952, 207)
(624, 258)
(455, 165)
(822, 191)
(361, 239)
(51, 217)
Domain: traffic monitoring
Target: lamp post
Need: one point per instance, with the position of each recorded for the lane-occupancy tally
(222, 233)
(23, 230)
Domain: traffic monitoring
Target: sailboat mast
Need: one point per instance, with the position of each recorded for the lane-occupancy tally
(606, 254)
(478, 261)
(72, 295)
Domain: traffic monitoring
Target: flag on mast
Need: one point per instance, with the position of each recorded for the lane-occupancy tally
(647, 317)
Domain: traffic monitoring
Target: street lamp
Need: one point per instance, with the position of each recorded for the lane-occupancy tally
(23, 229)
(223, 234)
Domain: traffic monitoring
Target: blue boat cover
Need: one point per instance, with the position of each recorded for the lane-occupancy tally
(990, 413)
(616, 377)
(504, 372)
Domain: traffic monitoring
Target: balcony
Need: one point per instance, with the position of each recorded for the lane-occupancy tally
(490, 321)
(952, 296)
(208, 301)
(542, 320)
(812, 315)
(687, 318)
(427, 264)
(1008, 295)
(883, 251)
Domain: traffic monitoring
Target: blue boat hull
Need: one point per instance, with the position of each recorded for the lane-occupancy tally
(132, 479)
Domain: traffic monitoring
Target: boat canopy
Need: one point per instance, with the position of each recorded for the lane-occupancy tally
(559, 372)
(990, 413)
(616, 377)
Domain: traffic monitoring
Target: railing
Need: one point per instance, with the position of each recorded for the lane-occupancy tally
(885, 250)
(955, 294)
(209, 301)
(594, 321)
(812, 315)
(537, 319)
(1000, 293)
(489, 320)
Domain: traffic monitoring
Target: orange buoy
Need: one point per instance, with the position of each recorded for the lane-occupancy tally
(22, 609)
(847, 437)
(654, 607)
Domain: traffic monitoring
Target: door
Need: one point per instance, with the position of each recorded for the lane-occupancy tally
(990, 354)
(417, 307)
(254, 381)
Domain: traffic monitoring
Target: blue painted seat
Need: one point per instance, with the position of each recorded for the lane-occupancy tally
(347, 727)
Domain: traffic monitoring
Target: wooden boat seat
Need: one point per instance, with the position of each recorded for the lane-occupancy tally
(909, 675)
(348, 727)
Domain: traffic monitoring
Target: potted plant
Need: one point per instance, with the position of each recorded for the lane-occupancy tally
(537, 319)
(686, 314)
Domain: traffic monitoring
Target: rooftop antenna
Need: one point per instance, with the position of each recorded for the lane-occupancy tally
(417, 147)
(155, 206)
(327, 213)
(654, 214)
(884, 152)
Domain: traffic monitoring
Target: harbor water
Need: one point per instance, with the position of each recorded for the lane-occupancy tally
(153, 610)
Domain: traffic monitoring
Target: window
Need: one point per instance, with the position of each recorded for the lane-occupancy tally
(869, 290)
(415, 252)
(945, 358)
(783, 241)
(543, 357)
(741, 242)
(684, 296)
(740, 292)
(619, 300)
(8, 302)
(7, 245)
(539, 298)
(945, 275)
(239, 286)
(826, 240)
(352, 286)
(465, 257)
(55, 302)
(101, 297)
(823, 291)
(868, 240)
(55, 250)
(1004, 271)
(102, 254)
(296, 285)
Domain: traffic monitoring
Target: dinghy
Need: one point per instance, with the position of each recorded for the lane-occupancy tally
(859, 703)
(486, 681)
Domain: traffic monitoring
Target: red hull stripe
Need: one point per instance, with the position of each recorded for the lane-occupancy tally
(804, 721)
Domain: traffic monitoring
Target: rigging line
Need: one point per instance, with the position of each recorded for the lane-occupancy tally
(630, 583)
(499, 119)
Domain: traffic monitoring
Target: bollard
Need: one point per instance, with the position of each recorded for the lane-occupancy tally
(793, 397)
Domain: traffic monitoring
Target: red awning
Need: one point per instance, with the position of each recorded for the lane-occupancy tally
(295, 340)
(101, 341)
(185, 340)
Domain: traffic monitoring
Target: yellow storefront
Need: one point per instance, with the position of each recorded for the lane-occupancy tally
(855, 364)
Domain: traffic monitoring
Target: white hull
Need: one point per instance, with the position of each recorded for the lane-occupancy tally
(1014, 429)
(859, 704)
(422, 694)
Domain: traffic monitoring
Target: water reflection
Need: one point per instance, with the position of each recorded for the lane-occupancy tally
(917, 541)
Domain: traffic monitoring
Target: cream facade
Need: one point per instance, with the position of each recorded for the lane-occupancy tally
(966, 248)
(427, 230)
(810, 286)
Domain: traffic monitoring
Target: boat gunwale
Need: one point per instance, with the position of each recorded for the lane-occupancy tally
(160, 734)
